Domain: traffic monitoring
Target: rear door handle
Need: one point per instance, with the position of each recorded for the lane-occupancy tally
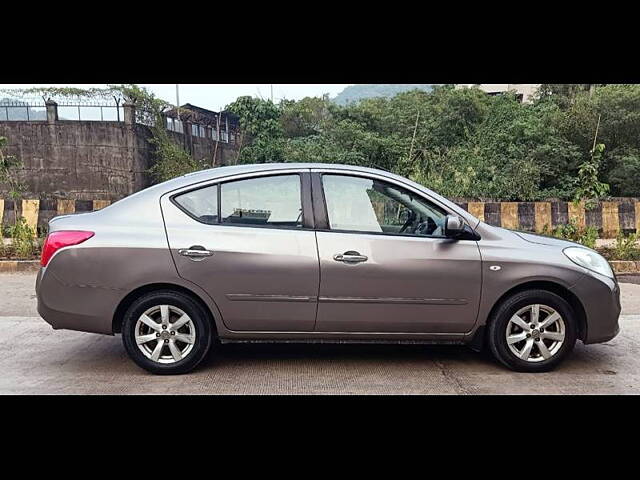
(195, 252)
(350, 257)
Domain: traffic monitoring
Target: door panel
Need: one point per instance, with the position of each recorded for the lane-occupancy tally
(261, 278)
(417, 285)
(385, 265)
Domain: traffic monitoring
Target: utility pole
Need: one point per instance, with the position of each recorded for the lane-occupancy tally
(413, 139)
(595, 138)
(178, 101)
(272, 93)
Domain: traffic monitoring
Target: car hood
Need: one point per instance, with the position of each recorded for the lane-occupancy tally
(544, 240)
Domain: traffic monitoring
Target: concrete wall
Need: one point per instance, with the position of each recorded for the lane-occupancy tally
(79, 159)
(87, 160)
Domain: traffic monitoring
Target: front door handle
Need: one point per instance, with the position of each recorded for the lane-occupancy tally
(350, 257)
(195, 252)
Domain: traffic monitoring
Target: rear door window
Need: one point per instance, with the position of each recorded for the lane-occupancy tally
(274, 201)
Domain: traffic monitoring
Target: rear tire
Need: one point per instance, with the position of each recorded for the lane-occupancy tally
(166, 332)
(532, 331)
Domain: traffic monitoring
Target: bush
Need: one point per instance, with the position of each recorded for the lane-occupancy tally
(23, 241)
(586, 236)
(625, 172)
(626, 247)
(171, 160)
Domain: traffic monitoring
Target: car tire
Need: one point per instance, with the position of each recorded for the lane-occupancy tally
(514, 318)
(173, 351)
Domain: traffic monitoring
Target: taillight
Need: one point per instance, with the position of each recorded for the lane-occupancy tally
(63, 238)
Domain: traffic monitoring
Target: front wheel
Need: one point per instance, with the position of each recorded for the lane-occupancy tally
(166, 333)
(532, 331)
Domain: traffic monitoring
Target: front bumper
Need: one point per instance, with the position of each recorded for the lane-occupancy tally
(600, 297)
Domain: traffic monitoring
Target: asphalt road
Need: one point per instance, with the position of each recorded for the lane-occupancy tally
(39, 360)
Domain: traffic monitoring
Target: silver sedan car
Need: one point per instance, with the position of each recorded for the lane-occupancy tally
(317, 253)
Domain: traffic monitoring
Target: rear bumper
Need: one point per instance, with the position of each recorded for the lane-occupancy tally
(72, 307)
(600, 297)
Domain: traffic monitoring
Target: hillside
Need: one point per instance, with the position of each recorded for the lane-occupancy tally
(354, 93)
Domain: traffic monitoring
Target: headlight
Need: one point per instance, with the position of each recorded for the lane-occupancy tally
(589, 259)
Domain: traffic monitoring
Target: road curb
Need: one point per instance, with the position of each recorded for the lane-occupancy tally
(13, 266)
(623, 266)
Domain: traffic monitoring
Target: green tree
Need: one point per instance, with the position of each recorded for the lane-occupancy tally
(624, 176)
(565, 94)
(589, 188)
(9, 166)
(305, 117)
(261, 134)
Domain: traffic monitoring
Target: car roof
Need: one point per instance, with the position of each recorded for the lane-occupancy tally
(230, 170)
(261, 167)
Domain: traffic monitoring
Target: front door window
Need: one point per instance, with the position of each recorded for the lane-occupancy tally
(371, 206)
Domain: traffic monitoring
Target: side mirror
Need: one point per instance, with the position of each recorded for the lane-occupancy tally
(453, 226)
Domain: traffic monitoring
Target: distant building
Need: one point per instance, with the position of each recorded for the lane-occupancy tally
(217, 126)
(524, 91)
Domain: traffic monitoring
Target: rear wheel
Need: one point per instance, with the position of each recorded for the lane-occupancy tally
(532, 331)
(166, 332)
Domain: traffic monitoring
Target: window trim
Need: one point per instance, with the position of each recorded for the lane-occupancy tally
(313, 202)
(321, 210)
(308, 222)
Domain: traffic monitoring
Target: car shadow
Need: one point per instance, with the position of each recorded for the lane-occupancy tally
(222, 354)
(107, 355)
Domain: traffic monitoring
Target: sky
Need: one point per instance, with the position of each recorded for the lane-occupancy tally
(217, 96)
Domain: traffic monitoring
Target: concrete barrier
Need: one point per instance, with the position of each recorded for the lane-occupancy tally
(609, 218)
(38, 212)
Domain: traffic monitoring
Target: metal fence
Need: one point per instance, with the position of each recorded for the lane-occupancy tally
(22, 110)
(75, 109)
(82, 109)
(102, 113)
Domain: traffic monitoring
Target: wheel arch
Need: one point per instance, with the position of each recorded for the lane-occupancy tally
(552, 287)
(125, 303)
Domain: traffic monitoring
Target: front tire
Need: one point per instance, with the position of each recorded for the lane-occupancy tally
(532, 331)
(166, 332)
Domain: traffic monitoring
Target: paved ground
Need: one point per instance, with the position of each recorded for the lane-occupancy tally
(37, 359)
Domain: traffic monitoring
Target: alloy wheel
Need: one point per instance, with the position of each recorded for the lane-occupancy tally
(535, 333)
(165, 334)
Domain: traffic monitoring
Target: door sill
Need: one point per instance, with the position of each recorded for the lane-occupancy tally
(347, 341)
(342, 337)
